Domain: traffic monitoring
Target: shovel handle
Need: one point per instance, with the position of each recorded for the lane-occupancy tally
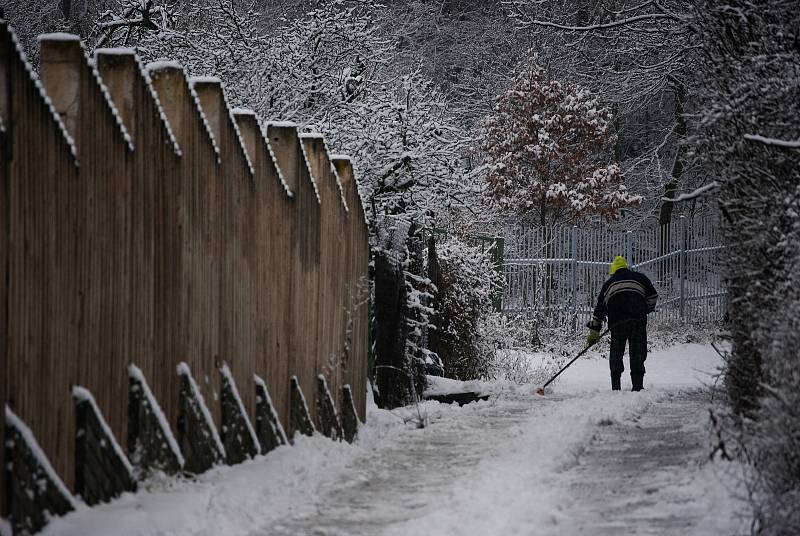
(565, 367)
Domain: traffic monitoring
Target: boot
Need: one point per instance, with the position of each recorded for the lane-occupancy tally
(637, 381)
(615, 382)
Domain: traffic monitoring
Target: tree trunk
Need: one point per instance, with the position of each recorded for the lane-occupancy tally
(670, 189)
(66, 6)
(391, 329)
(391, 332)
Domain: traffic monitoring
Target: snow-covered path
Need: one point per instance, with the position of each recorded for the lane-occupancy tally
(406, 479)
(581, 460)
(632, 477)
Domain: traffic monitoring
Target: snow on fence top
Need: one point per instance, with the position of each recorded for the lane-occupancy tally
(204, 80)
(163, 65)
(43, 95)
(57, 36)
(204, 119)
(316, 136)
(238, 133)
(114, 112)
(273, 157)
(115, 51)
(314, 181)
(281, 124)
(335, 175)
(354, 186)
(144, 72)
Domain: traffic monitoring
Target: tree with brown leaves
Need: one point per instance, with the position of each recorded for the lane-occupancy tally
(548, 145)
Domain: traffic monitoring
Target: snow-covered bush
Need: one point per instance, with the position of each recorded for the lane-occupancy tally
(418, 310)
(402, 296)
(465, 280)
(505, 342)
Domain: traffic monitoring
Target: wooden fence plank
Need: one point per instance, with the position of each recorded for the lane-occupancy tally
(5, 152)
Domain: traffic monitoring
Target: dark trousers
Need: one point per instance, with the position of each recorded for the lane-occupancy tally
(634, 333)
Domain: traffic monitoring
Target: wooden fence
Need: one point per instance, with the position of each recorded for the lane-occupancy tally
(145, 222)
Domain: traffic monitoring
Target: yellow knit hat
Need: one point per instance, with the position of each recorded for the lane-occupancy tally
(619, 262)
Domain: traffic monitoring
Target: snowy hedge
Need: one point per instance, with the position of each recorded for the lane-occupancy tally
(749, 138)
(465, 281)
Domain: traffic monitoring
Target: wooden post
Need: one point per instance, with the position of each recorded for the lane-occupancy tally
(301, 420)
(5, 158)
(120, 72)
(284, 143)
(268, 425)
(61, 61)
(248, 126)
(5, 82)
(305, 220)
(358, 256)
(331, 229)
(192, 252)
(271, 246)
(169, 83)
(209, 93)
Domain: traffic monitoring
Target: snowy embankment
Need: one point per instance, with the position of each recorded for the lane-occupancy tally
(499, 467)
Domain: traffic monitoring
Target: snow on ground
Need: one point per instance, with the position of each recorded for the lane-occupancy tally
(517, 464)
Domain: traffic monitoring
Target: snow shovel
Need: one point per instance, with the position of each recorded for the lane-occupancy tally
(540, 390)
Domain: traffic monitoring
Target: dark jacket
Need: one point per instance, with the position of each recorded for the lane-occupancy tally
(626, 295)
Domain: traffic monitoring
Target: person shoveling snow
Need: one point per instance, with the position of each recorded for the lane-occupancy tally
(627, 297)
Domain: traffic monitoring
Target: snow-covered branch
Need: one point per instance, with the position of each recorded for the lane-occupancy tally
(604, 26)
(785, 144)
(699, 192)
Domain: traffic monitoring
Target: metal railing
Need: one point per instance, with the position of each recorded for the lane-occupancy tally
(560, 272)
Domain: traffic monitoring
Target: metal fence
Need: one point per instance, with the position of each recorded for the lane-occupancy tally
(559, 273)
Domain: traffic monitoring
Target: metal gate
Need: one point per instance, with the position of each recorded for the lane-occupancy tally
(559, 273)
